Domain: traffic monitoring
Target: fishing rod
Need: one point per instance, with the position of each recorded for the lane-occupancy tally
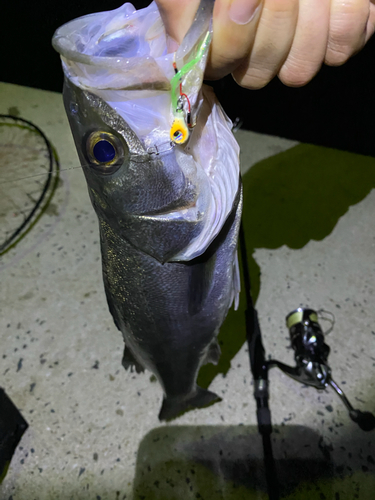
(311, 358)
(259, 369)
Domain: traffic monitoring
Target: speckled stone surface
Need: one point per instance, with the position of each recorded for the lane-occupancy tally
(93, 428)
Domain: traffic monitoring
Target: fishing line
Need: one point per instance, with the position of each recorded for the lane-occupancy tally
(179, 131)
(155, 150)
(182, 94)
(185, 69)
(40, 175)
(331, 319)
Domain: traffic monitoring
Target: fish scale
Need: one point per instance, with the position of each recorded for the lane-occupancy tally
(168, 216)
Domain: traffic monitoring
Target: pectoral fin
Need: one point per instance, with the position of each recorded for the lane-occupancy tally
(213, 354)
(129, 361)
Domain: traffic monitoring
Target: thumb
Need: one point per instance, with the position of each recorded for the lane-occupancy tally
(177, 16)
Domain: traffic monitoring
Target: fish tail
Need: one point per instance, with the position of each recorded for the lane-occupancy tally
(172, 407)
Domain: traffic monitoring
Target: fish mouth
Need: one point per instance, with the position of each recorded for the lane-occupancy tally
(216, 153)
(186, 207)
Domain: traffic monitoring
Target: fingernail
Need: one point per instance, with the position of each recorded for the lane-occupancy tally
(243, 11)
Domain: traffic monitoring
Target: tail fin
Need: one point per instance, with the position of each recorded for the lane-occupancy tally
(200, 398)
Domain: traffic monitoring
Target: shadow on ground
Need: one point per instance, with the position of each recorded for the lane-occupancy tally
(289, 199)
(224, 463)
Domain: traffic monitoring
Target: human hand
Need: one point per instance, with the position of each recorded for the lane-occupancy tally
(256, 40)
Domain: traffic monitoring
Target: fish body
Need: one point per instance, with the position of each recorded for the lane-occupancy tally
(169, 219)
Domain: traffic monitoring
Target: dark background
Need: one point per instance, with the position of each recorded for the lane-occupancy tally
(336, 109)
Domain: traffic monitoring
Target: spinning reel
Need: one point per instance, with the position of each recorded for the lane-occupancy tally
(311, 355)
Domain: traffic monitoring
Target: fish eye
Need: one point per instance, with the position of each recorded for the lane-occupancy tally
(105, 152)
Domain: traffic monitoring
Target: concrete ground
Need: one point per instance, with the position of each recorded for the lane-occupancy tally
(93, 428)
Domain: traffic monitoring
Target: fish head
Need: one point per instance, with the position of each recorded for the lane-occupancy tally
(125, 175)
(123, 100)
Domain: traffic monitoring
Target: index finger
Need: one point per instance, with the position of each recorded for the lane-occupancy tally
(177, 16)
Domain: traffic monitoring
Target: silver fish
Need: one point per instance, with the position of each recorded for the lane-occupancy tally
(169, 218)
